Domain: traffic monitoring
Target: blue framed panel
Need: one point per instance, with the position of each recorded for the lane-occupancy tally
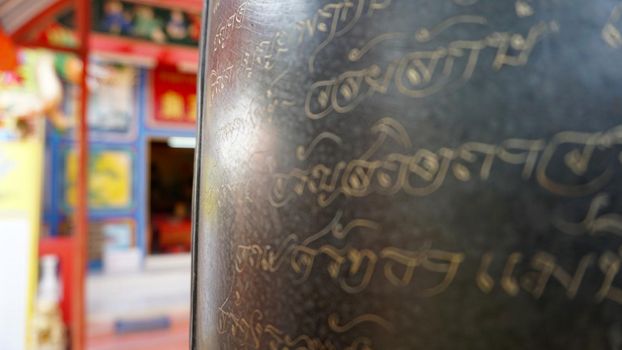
(133, 141)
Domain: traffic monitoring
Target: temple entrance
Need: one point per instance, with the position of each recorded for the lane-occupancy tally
(170, 195)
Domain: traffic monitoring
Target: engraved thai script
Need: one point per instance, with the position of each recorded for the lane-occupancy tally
(355, 269)
(292, 248)
(335, 326)
(262, 56)
(564, 165)
(303, 153)
(220, 79)
(225, 29)
(253, 332)
(265, 54)
(351, 268)
(599, 219)
(334, 20)
(420, 73)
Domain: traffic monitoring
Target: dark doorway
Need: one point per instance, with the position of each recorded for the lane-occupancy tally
(170, 196)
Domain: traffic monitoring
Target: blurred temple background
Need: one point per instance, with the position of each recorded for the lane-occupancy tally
(97, 136)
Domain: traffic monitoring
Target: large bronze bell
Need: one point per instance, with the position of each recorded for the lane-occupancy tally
(409, 174)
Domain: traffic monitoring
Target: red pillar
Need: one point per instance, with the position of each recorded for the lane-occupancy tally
(83, 12)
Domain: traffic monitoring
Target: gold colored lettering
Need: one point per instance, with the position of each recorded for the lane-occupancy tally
(484, 280)
(302, 153)
(610, 33)
(609, 264)
(508, 281)
(442, 262)
(335, 326)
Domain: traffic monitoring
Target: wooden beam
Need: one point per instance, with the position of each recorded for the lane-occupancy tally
(83, 17)
(39, 21)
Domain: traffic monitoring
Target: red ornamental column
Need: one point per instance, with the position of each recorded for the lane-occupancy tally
(81, 209)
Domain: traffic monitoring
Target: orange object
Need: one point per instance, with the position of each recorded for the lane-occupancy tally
(174, 233)
(8, 59)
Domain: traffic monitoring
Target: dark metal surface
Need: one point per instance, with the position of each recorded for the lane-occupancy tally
(410, 174)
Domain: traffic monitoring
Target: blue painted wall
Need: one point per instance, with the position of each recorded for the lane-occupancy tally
(57, 145)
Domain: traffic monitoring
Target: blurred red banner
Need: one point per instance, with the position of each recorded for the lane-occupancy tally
(174, 95)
